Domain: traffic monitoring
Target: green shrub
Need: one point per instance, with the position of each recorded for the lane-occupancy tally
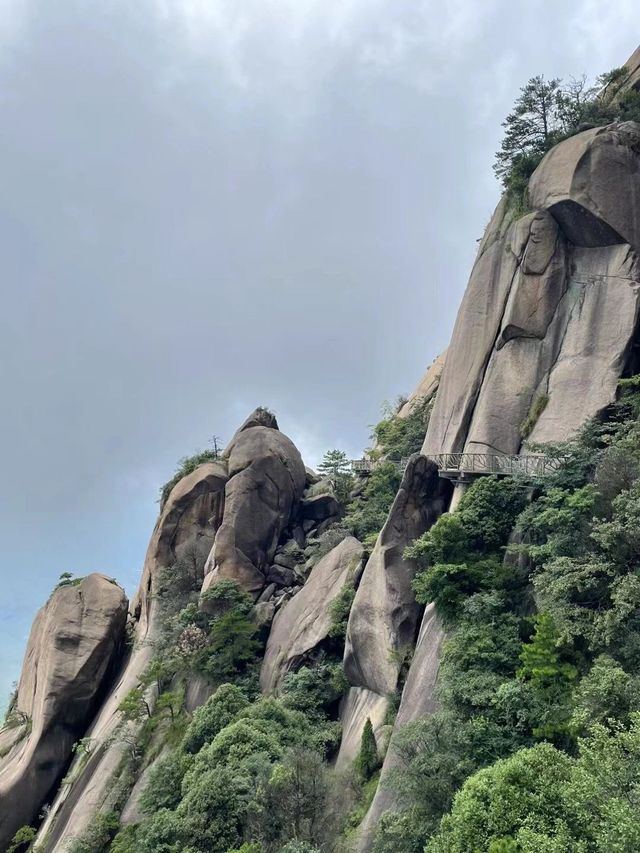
(537, 408)
(339, 610)
(163, 789)
(218, 711)
(187, 465)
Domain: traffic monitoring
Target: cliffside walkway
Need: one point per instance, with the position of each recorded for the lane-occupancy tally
(462, 466)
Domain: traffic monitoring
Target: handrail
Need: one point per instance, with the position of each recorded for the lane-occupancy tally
(533, 465)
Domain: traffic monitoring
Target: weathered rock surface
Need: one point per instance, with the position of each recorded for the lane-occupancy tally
(266, 481)
(418, 701)
(427, 387)
(552, 303)
(75, 641)
(320, 502)
(384, 615)
(303, 623)
(357, 706)
(190, 515)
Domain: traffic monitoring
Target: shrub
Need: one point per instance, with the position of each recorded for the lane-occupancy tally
(218, 711)
(187, 465)
(537, 408)
(164, 786)
(339, 610)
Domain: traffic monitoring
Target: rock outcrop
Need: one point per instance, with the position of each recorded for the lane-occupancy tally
(552, 303)
(76, 641)
(418, 701)
(303, 624)
(267, 478)
(427, 387)
(384, 617)
(189, 517)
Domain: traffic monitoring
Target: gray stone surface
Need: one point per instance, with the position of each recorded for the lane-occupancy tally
(357, 706)
(427, 387)
(303, 623)
(590, 183)
(418, 701)
(551, 305)
(266, 481)
(75, 639)
(384, 616)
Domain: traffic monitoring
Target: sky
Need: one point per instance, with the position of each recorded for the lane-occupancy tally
(209, 205)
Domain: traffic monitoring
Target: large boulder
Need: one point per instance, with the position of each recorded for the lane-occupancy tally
(551, 308)
(384, 616)
(302, 625)
(266, 481)
(590, 183)
(191, 515)
(75, 642)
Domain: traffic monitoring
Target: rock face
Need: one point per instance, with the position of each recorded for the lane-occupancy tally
(303, 623)
(427, 387)
(384, 617)
(266, 481)
(418, 701)
(75, 641)
(552, 303)
(190, 516)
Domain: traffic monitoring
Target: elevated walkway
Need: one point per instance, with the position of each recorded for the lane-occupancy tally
(461, 467)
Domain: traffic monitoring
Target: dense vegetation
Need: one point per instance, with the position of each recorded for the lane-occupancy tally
(537, 746)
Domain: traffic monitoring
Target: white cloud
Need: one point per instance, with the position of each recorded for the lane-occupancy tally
(297, 43)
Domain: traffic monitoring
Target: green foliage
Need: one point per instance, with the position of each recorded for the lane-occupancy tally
(537, 408)
(134, 706)
(67, 579)
(548, 111)
(164, 787)
(339, 610)
(368, 512)
(368, 760)
(606, 693)
(218, 711)
(550, 678)
(542, 799)
(224, 596)
(96, 838)
(337, 467)
(187, 465)
(232, 645)
(22, 840)
(315, 690)
(398, 437)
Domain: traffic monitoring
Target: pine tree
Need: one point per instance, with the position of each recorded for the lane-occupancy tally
(368, 760)
(336, 466)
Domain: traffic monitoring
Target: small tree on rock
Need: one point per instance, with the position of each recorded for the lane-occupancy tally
(368, 760)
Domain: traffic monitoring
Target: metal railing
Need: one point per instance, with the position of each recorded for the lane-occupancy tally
(534, 465)
(360, 466)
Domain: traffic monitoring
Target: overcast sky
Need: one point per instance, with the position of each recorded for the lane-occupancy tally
(207, 205)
